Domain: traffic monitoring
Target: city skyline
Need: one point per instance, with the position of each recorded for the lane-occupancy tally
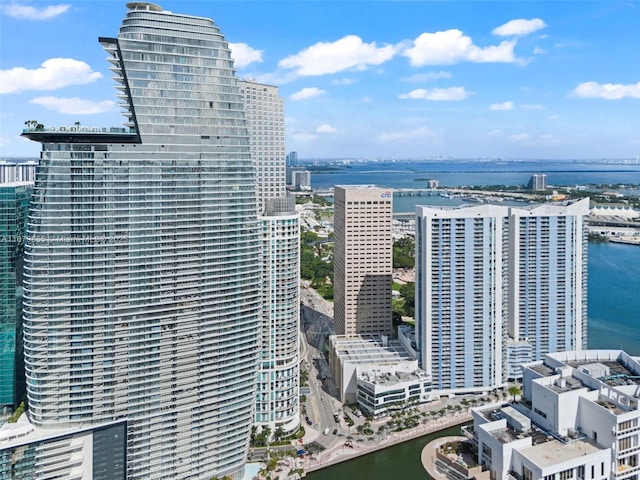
(461, 79)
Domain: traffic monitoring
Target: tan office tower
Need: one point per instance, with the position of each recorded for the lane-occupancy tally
(362, 268)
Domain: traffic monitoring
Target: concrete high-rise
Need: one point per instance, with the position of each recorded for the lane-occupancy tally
(496, 287)
(277, 398)
(547, 281)
(142, 289)
(14, 209)
(461, 308)
(538, 181)
(265, 118)
(363, 259)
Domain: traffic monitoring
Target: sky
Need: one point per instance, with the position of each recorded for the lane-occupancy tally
(403, 79)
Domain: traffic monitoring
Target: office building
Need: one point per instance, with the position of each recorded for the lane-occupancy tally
(265, 119)
(142, 293)
(547, 281)
(277, 396)
(14, 209)
(363, 259)
(496, 287)
(538, 181)
(461, 306)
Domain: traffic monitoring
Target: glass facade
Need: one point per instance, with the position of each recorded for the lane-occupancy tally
(277, 402)
(14, 208)
(142, 296)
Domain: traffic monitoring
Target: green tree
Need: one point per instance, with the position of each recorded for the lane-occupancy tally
(514, 390)
(404, 253)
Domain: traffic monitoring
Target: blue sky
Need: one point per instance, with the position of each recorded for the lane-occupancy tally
(510, 79)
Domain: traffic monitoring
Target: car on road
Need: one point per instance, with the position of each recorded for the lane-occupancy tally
(308, 420)
(326, 431)
(335, 431)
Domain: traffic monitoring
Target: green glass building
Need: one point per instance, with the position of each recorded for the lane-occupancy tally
(14, 207)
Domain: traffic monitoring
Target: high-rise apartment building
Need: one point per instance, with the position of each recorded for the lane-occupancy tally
(460, 298)
(277, 397)
(363, 259)
(277, 403)
(547, 281)
(14, 209)
(496, 287)
(17, 172)
(142, 289)
(538, 181)
(265, 118)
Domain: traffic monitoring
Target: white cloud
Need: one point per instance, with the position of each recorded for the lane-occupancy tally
(554, 117)
(326, 128)
(427, 77)
(502, 106)
(423, 132)
(27, 12)
(244, 55)
(347, 53)
(538, 51)
(437, 94)
(344, 81)
(607, 91)
(76, 106)
(306, 93)
(52, 74)
(519, 27)
(304, 136)
(531, 106)
(494, 133)
(366, 100)
(452, 46)
(520, 137)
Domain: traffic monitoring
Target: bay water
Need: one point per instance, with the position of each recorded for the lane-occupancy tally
(613, 277)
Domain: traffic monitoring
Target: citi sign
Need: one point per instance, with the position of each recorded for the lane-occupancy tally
(386, 194)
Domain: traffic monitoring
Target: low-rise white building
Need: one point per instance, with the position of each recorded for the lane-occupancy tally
(579, 418)
(376, 373)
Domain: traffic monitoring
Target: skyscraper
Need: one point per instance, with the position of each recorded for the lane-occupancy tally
(142, 289)
(538, 181)
(265, 118)
(363, 259)
(461, 305)
(14, 208)
(498, 286)
(547, 281)
(277, 398)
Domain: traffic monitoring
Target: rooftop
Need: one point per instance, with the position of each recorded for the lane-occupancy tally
(369, 349)
(553, 452)
(81, 134)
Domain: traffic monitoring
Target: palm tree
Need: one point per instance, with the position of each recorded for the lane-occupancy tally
(514, 390)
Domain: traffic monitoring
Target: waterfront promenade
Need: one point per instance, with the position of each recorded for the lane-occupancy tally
(361, 445)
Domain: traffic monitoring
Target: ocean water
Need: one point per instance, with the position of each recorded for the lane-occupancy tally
(613, 269)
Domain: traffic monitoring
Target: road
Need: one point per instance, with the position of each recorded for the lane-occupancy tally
(322, 403)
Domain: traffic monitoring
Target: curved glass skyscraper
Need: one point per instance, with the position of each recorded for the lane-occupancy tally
(142, 284)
